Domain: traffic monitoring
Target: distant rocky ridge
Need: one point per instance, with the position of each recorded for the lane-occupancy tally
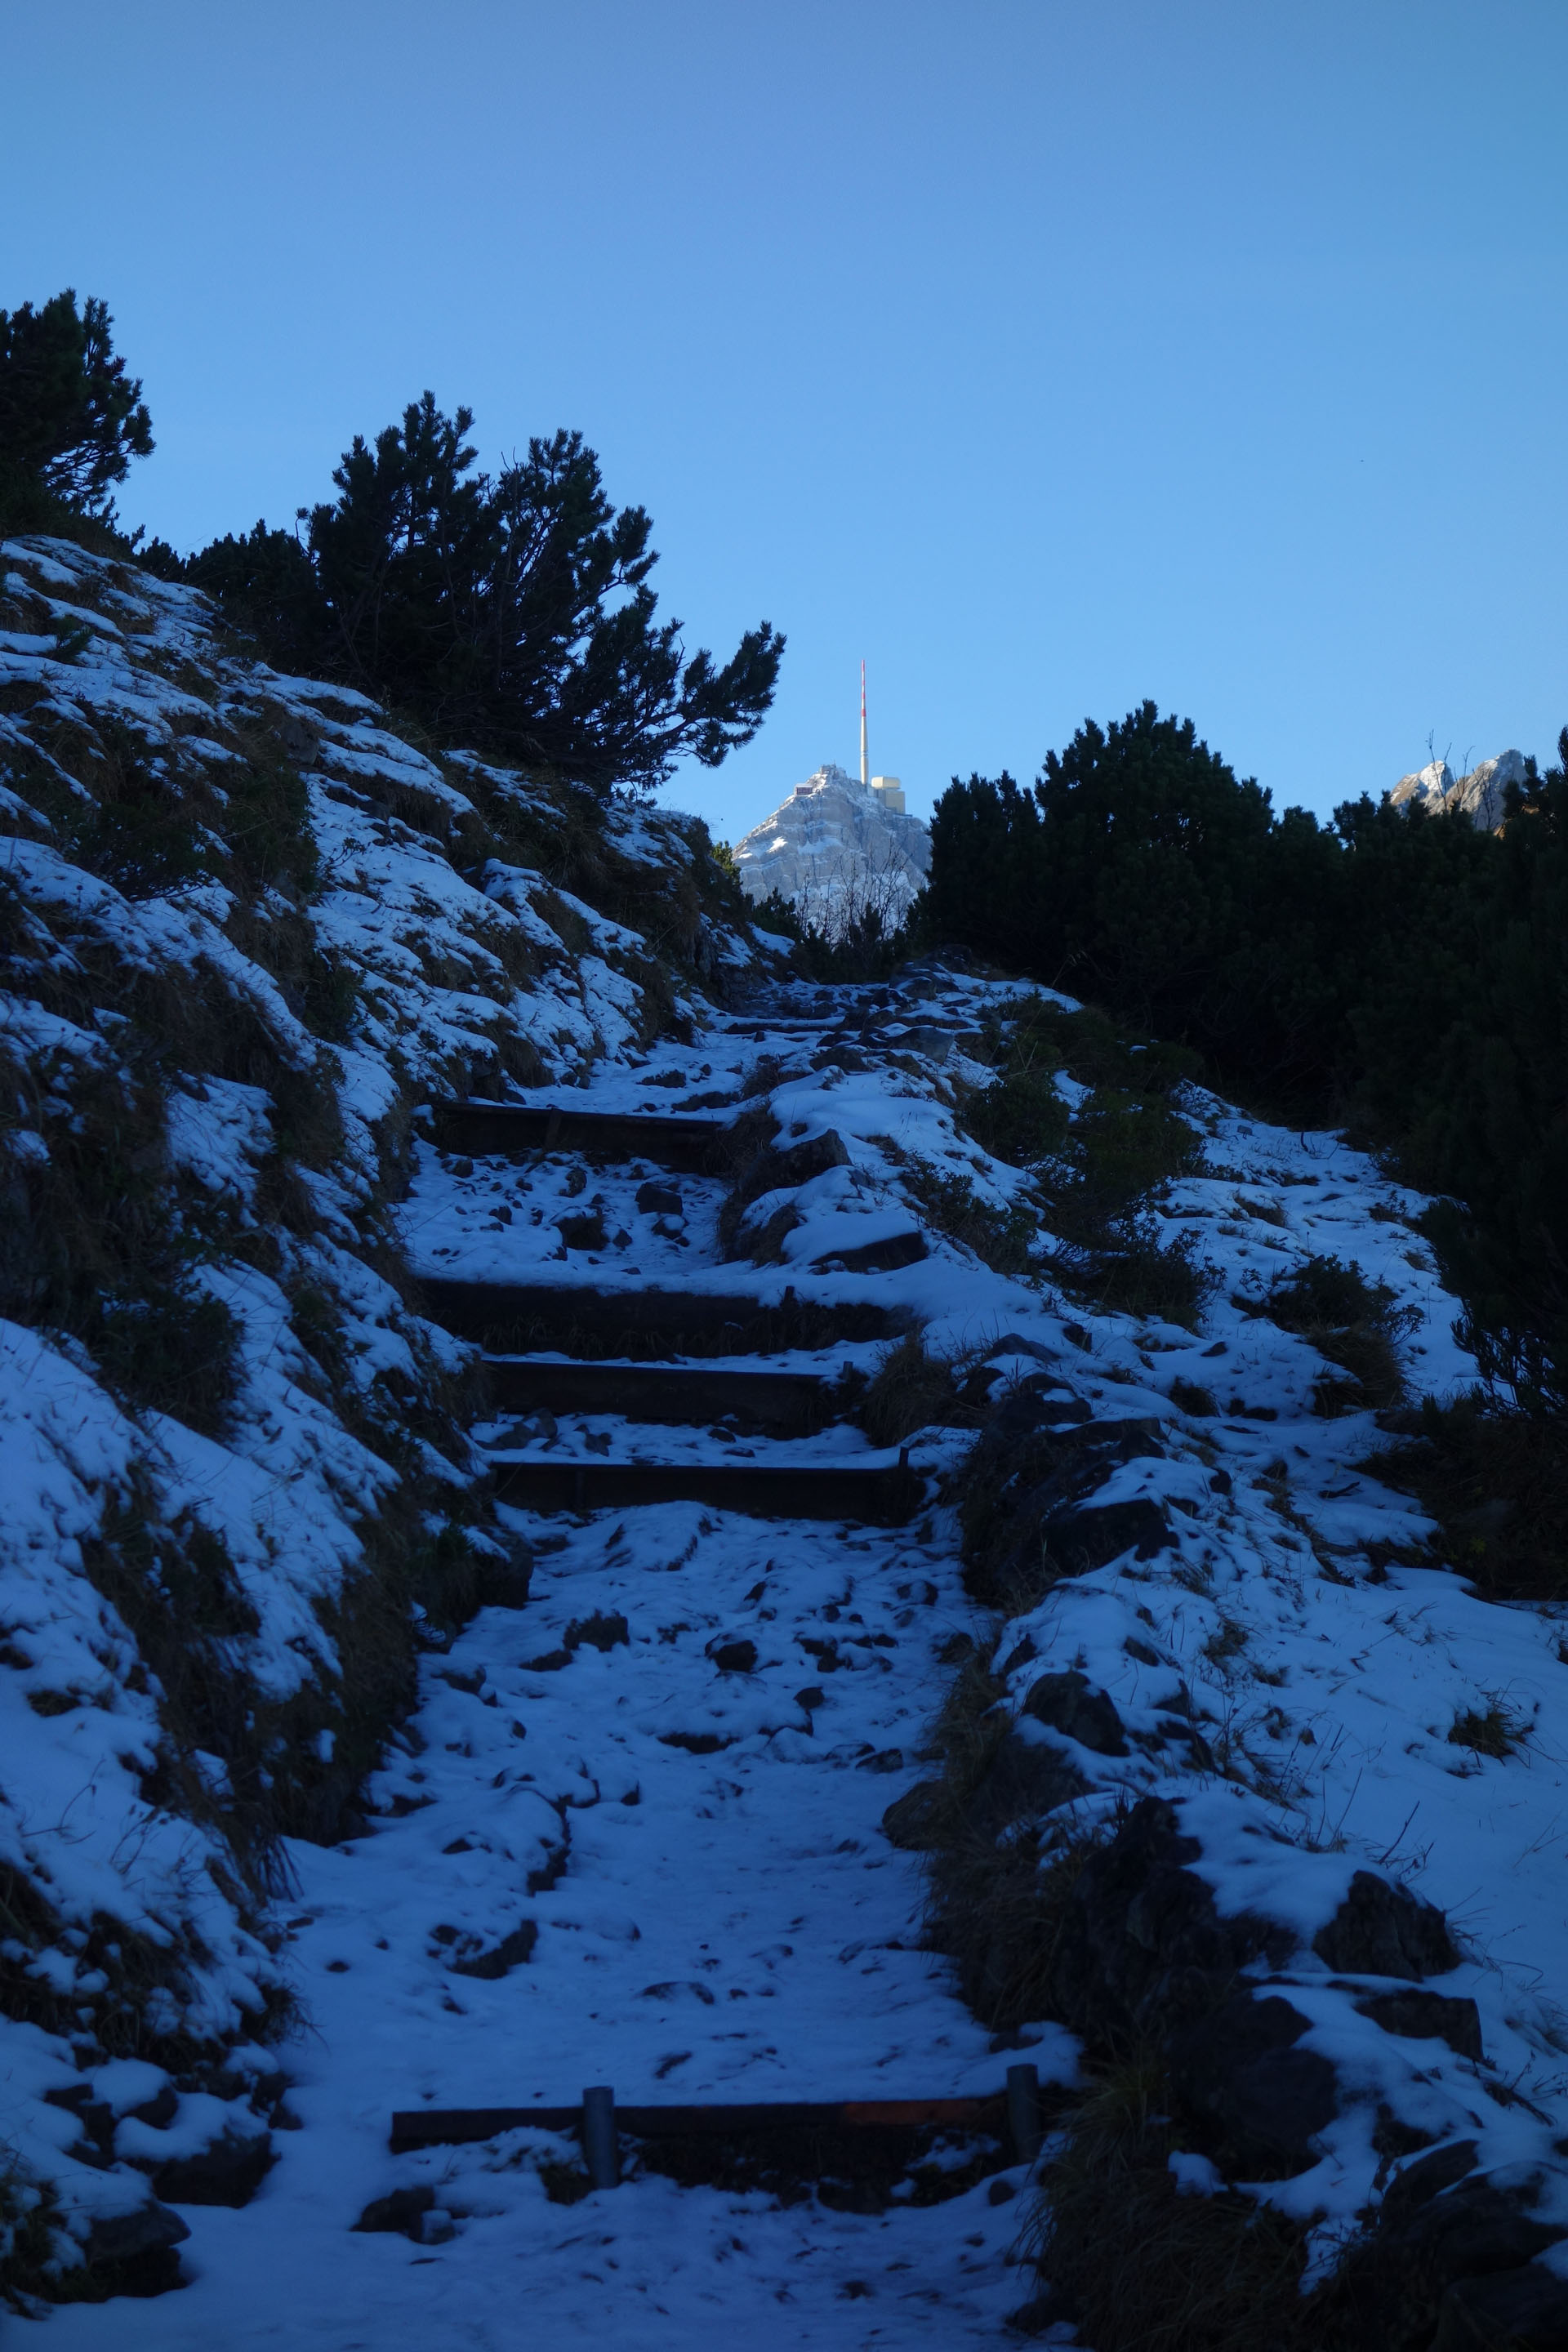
(838, 849)
(1480, 795)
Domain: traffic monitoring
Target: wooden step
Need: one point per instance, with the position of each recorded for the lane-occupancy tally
(692, 1142)
(577, 1320)
(449, 2127)
(787, 1404)
(882, 1493)
(886, 1256)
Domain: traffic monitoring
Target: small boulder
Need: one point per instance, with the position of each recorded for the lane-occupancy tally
(734, 1657)
(1143, 1950)
(912, 1822)
(1071, 1704)
(1417, 2184)
(1384, 1930)
(1012, 1343)
(1480, 2226)
(401, 2212)
(603, 1631)
(1428, 2017)
(160, 2110)
(797, 1163)
(1507, 2311)
(148, 2229)
(1239, 2071)
(1079, 1541)
(660, 1200)
(583, 1229)
(227, 2171)
(505, 1580)
(510, 1953)
(1037, 1403)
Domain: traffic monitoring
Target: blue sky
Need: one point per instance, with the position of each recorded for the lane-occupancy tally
(1049, 356)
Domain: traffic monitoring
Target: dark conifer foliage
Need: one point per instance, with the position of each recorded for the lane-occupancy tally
(512, 611)
(1405, 973)
(70, 418)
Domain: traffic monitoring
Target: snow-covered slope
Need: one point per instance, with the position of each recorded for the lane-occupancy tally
(835, 851)
(1481, 795)
(659, 1828)
(246, 931)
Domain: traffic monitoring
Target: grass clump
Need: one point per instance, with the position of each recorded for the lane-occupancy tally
(1485, 1731)
(1141, 2267)
(1101, 1168)
(1121, 1151)
(1000, 1912)
(1002, 1239)
(1354, 1323)
(1192, 1397)
(1496, 1481)
(1090, 1048)
(170, 1346)
(1020, 1116)
(999, 1880)
(913, 1389)
(96, 1243)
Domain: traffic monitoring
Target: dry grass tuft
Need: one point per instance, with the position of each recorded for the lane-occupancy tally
(1141, 2267)
(913, 1389)
(1002, 1239)
(1496, 1482)
(1355, 1324)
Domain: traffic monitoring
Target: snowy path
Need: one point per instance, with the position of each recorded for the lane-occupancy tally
(675, 1841)
(693, 1844)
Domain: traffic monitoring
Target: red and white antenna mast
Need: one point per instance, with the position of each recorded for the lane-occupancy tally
(865, 755)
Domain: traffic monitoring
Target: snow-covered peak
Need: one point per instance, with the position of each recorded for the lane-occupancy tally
(837, 848)
(1481, 794)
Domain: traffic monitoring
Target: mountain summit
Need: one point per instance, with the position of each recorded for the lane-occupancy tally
(836, 849)
(1480, 795)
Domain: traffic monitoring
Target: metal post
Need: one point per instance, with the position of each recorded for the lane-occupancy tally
(1024, 2111)
(601, 2150)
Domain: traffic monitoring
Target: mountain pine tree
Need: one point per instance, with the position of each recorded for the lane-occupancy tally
(512, 612)
(70, 418)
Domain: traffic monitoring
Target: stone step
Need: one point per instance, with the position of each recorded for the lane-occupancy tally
(578, 1319)
(882, 1493)
(693, 1143)
(786, 1404)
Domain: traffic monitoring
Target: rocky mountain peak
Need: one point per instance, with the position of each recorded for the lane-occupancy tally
(836, 849)
(1481, 794)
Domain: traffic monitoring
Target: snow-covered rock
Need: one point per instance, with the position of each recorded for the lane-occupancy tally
(1480, 795)
(836, 850)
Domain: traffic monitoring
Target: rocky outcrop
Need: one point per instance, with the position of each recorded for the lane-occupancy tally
(836, 851)
(1026, 1493)
(1452, 2264)
(1143, 1950)
(1384, 1930)
(1481, 795)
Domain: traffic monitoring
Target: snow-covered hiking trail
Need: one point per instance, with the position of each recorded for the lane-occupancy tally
(669, 1772)
(632, 1834)
(637, 1830)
